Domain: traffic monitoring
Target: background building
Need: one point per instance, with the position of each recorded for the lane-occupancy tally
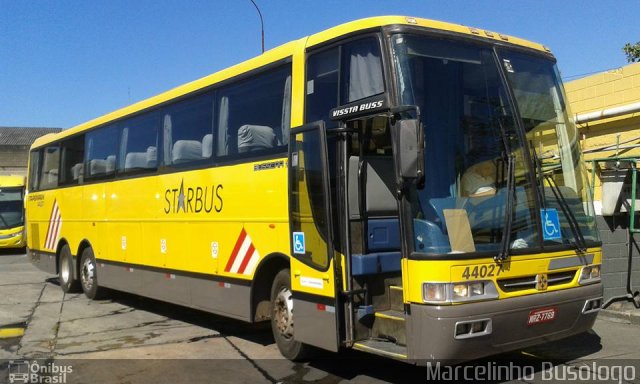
(14, 147)
(606, 107)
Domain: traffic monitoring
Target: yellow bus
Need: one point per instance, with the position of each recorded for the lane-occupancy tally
(12, 212)
(401, 186)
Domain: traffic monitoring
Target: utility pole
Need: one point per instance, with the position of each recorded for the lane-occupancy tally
(261, 22)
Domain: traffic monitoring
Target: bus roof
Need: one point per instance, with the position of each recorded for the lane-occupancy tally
(284, 51)
(11, 181)
(381, 21)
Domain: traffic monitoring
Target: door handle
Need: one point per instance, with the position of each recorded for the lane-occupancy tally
(296, 273)
(325, 277)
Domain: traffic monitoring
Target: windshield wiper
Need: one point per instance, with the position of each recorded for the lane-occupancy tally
(503, 254)
(540, 186)
(580, 243)
(507, 155)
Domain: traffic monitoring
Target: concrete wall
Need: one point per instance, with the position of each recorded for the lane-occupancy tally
(13, 160)
(13, 171)
(608, 89)
(614, 232)
(594, 93)
(605, 90)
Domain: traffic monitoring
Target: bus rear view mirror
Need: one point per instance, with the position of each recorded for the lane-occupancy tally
(408, 145)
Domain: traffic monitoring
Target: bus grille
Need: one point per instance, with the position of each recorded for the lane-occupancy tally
(529, 282)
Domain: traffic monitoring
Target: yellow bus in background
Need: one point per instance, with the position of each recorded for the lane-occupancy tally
(12, 212)
(405, 187)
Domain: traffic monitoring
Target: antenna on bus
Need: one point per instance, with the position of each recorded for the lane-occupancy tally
(261, 23)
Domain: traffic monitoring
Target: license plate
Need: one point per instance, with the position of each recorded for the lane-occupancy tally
(542, 315)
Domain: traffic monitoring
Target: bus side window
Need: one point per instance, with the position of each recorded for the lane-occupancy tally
(50, 167)
(187, 130)
(362, 71)
(331, 83)
(139, 144)
(34, 170)
(72, 170)
(254, 115)
(322, 86)
(101, 146)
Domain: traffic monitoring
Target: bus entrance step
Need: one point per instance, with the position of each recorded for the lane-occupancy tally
(382, 348)
(395, 298)
(390, 325)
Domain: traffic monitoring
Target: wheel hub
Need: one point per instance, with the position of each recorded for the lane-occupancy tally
(283, 313)
(87, 274)
(65, 270)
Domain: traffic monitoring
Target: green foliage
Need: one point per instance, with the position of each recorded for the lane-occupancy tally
(632, 52)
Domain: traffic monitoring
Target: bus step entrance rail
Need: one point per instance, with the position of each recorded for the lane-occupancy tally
(390, 325)
(382, 348)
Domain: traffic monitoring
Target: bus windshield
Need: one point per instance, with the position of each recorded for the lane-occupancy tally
(477, 166)
(553, 141)
(11, 212)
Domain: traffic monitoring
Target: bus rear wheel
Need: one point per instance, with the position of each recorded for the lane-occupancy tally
(89, 275)
(282, 318)
(68, 282)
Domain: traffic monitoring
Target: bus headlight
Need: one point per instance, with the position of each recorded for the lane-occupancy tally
(434, 292)
(10, 235)
(589, 275)
(443, 293)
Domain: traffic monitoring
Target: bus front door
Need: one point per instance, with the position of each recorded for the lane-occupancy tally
(313, 284)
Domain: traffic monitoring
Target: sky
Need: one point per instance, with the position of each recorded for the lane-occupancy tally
(65, 62)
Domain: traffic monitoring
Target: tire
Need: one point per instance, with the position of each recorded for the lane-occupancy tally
(89, 275)
(66, 267)
(282, 320)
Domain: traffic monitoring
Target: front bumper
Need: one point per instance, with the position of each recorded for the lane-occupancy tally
(13, 242)
(431, 329)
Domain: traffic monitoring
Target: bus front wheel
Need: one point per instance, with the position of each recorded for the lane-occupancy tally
(89, 275)
(68, 283)
(282, 319)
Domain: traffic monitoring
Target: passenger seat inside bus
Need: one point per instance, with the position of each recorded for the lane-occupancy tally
(102, 166)
(141, 160)
(255, 137)
(207, 146)
(186, 150)
(77, 171)
(52, 176)
(377, 208)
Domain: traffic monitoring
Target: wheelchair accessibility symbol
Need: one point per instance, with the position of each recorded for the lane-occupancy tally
(298, 243)
(550, 224)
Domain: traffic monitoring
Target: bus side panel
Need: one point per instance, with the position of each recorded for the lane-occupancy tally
(39, 209)
(223, 298)
(187, 222)
(94, 210)
(166, 237)
(253, 199)
(130, 206)
(242, 220)
(72, 227)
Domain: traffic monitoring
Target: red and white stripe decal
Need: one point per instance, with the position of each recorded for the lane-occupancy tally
(55, 225)
(244, 257)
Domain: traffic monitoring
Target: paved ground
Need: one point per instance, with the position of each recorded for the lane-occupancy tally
(128, 339)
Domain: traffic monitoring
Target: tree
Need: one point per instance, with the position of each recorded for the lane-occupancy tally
(632, 52)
